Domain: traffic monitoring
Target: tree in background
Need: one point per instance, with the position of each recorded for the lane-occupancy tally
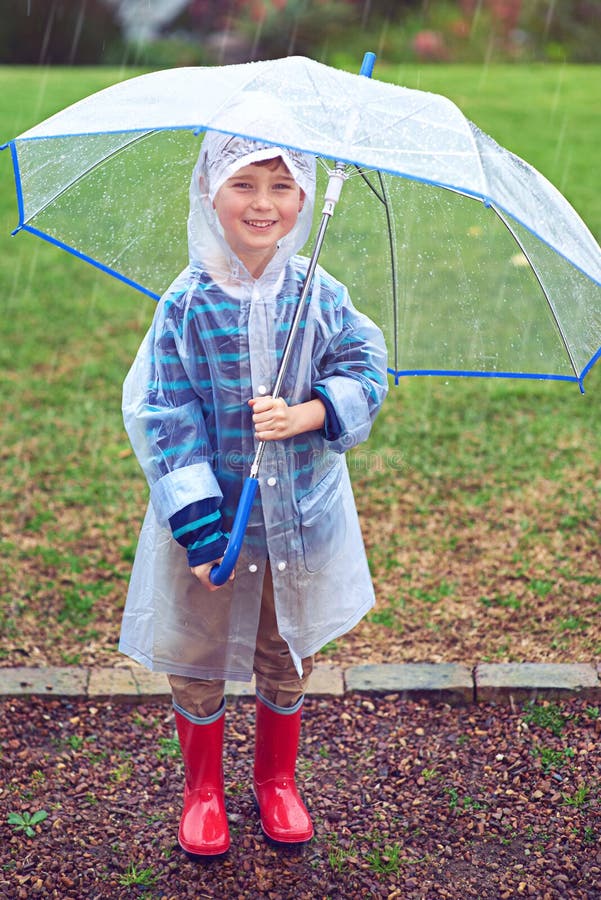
(489, 30)
(275, 28)
(207, 32)
(56, 32)
(539, 29)
(564, 30)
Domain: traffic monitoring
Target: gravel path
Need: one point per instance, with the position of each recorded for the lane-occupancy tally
(409, 801)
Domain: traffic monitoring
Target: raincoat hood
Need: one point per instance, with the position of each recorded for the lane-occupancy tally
(221, 156)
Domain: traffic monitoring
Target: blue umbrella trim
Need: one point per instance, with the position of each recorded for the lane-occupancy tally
(88, 259)
(459, 373)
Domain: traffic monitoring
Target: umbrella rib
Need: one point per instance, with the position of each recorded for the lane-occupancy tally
(398, 121)
(391, 245)
(541, 285)
(325, 108)
(485, 185)
(371, 186)
(384, 199)
(82, 175)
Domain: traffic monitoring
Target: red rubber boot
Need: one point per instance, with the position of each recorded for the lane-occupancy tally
(284, 817)
(203, 829)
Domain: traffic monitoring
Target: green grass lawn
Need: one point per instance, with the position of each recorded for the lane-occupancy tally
(443, 451)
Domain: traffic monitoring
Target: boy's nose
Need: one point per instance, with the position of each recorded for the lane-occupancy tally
(261, 200)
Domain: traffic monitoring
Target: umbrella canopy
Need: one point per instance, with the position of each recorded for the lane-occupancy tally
(471, 261)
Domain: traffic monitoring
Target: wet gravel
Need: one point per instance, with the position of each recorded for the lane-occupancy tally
(409, 801)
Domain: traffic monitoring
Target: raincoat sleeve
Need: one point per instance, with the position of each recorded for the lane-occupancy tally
(352, 375)
(164, 419)
(197, 527)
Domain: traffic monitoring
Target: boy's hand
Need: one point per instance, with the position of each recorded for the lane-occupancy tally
(203, 571)
(274, 420)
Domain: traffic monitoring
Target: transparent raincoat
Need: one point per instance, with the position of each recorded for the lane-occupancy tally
(215, 342)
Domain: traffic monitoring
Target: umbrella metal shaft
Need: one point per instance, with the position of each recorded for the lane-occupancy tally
(221, 572)
(336, 180)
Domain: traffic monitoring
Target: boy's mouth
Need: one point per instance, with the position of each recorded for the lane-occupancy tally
(260, 223)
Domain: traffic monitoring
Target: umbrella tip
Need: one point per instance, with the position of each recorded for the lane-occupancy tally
(367, 66)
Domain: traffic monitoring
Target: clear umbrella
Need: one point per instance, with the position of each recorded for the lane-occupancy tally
(469, 259)
(495, 273)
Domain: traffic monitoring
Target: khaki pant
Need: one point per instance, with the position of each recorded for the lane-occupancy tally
(275, 673)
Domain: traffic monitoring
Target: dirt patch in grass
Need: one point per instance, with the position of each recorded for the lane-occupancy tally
(459, 576)
(511, 579)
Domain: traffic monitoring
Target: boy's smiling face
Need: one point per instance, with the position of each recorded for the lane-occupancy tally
(257, 207)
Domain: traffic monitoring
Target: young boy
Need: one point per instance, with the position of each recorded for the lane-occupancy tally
(195, 402)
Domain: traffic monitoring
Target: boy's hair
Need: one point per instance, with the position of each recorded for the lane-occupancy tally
(272, 163)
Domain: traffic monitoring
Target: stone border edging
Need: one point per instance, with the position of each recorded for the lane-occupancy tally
(453, 683)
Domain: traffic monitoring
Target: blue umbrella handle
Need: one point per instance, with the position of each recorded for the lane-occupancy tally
(220, 574)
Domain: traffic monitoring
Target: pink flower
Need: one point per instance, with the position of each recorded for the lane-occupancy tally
(430, 45)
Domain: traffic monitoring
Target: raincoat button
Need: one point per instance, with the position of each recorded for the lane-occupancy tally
(271, 481)
(253, 567)
(281, 566)
(262, 389)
